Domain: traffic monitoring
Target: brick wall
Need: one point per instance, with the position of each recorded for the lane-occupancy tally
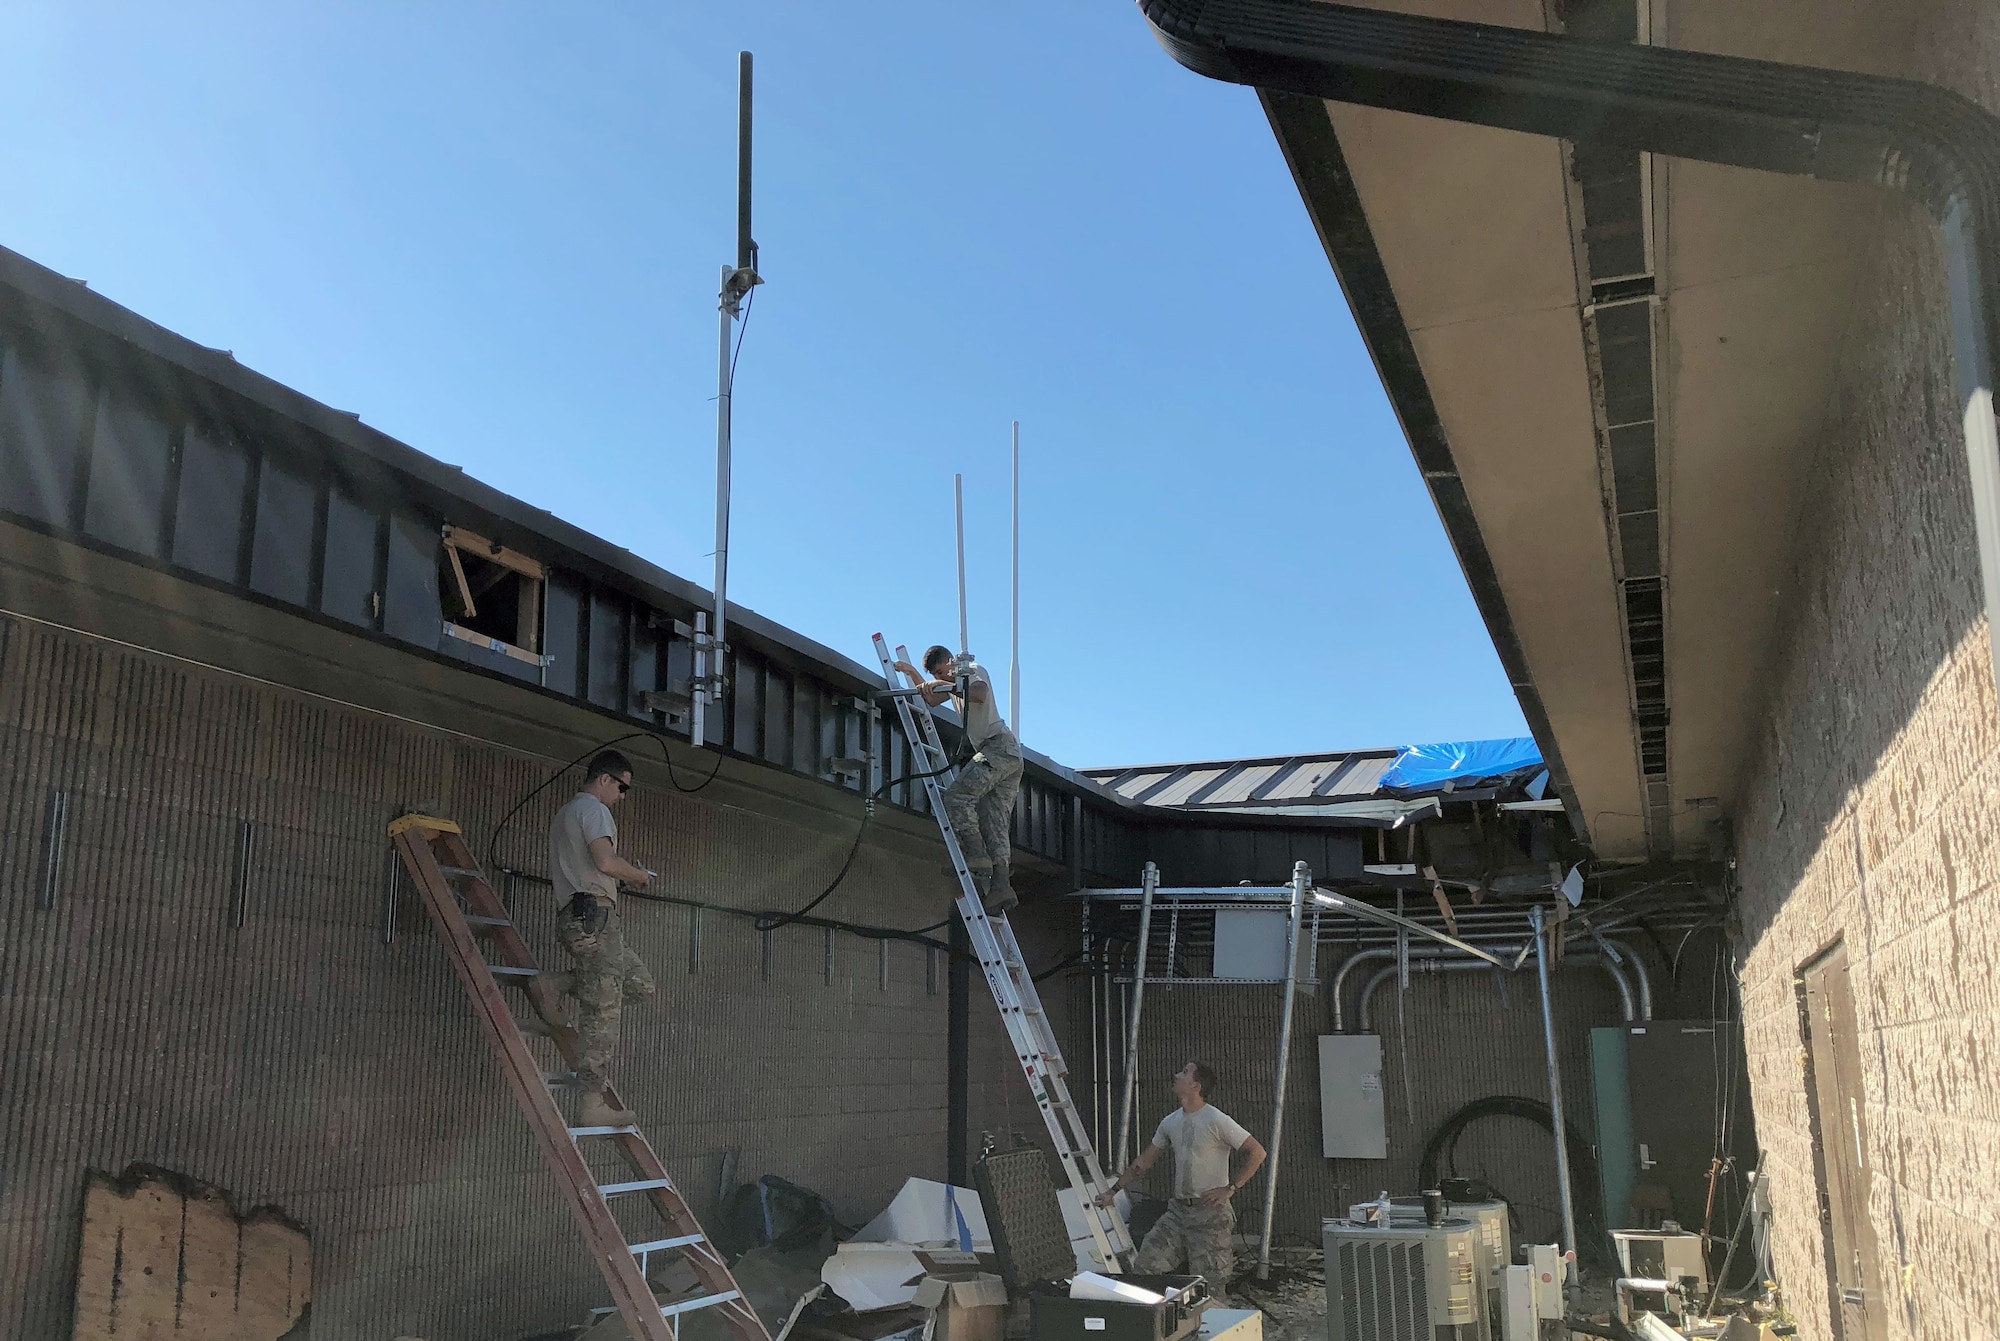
(298, 1060)
(1872, 811)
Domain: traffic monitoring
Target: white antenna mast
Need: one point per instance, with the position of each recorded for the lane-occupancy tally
(958, 500)
(1014, 637)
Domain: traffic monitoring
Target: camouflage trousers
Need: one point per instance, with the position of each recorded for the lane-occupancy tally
(608, 974)
(1196, 1234)
(980, 802)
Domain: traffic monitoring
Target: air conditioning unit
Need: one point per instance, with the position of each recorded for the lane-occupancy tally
(1403, 1282)
(1493, 1250)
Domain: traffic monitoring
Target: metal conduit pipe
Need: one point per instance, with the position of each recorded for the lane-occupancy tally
(1337, 989)
(1641, 976)
(1364, 1015)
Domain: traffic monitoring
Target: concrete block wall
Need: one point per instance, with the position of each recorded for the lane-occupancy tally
(297, 1060)
(1872, 809)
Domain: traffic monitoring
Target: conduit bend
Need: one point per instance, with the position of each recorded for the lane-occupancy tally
(1935, 144)
(1364, 1011)
(1426, 959)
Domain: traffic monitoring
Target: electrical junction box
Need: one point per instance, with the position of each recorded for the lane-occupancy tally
(1351, 1120)
(1250, 946)
(1545, 1265)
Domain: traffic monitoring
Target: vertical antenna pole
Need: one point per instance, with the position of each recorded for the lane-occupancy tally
(958, 502)
(737, 280)
(718, 634)
(1014, 637)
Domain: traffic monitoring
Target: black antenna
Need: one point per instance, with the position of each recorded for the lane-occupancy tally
(746, 247)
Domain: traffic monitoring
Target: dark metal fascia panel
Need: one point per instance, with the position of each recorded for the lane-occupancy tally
(1312, 150)
(589, 554)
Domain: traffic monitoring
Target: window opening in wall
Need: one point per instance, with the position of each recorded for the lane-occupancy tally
(492, 595)
(1834, 1097)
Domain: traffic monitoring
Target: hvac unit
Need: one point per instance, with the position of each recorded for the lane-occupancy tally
(1493, 1249)
(1400, 1282)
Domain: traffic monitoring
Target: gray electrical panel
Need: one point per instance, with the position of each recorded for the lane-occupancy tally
(1350, 1097)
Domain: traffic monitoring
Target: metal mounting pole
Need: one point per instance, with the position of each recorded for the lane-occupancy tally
(737, 281)
(1555, 1097)
(1148, 882)
(1301, 883)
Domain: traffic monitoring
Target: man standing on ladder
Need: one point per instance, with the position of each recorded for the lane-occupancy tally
(1199, 1219)
(586, 870)
(980, 800)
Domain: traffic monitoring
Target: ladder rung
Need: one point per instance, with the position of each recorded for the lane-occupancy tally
(509, 971)
(553, 1078)
(642, 1185)
(463, 872)
(474, 919)
(661, 1245)
(701, 1301)
(603, 1131)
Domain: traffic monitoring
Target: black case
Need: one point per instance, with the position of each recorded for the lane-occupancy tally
(1054, 1316)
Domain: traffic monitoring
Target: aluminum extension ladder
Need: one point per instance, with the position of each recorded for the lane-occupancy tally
(1013, 988)
(467, 912)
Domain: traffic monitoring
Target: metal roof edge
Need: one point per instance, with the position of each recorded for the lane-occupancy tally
(79, 302)
(1385, 751)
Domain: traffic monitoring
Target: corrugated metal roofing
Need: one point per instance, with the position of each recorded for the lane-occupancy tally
(1303, 779)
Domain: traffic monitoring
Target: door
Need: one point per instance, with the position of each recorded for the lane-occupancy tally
(1834, 1099)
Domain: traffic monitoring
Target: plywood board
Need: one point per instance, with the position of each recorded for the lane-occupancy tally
(165, 1256)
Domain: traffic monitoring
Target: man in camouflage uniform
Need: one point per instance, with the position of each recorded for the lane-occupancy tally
(980, 800)
(1199, 1219)
(586, 870)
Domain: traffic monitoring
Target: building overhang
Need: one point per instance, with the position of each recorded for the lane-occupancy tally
(1614, 355)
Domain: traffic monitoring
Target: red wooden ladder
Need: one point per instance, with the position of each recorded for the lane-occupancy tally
(471, 922)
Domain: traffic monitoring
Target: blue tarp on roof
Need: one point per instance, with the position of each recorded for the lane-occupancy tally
(1461, 761)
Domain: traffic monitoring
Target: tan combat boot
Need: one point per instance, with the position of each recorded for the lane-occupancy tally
(596, 1112)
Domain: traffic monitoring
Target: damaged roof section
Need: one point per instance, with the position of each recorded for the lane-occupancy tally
(1363, 786)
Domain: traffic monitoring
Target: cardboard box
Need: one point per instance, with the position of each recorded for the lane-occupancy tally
(965, 1306)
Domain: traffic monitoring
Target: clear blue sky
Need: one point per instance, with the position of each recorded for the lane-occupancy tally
(495, 232)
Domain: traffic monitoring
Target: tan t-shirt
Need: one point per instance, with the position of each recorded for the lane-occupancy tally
(572, 870)
(981, 719)
(1202, 1142)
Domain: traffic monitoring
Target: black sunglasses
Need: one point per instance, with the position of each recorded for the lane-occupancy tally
(623, 787)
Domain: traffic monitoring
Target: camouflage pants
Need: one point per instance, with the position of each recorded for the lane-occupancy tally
(608, 974)
(980, 802)
(1196, 1234)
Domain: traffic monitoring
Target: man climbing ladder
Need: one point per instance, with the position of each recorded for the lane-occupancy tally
(980, 800)
(991, 936)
